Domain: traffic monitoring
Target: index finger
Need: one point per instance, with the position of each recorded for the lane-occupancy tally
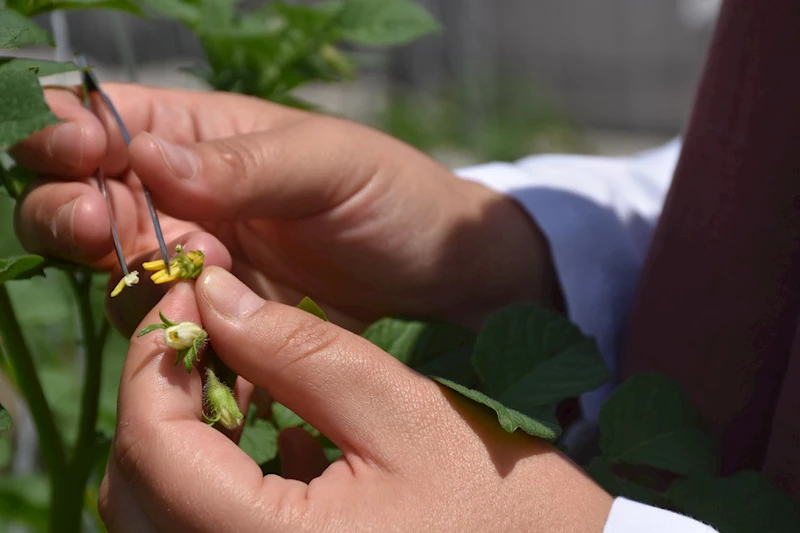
(185, 474)
(84, 141)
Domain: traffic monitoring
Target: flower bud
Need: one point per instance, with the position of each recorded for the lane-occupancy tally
(184, 336)
(221, 404)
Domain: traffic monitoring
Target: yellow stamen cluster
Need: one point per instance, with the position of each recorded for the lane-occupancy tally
(187, 265)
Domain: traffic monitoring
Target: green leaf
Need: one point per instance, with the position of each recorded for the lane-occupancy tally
(384, 22)
(5, 419)
(414, 342)
(166, 320)
(188, 13)
(6, 451)
(509, 419)
(148, 329)
(259, 440)
(602, 471)
(24, 110)
(744, 503)
(15, 179)
(307, 304)
(25, 500)
(17, 31)
(650, 421)
(21, 267)
(286, 418)
(37, 7)
(41, 67)
(528, 356)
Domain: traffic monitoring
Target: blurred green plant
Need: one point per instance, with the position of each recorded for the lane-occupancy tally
(519, 120)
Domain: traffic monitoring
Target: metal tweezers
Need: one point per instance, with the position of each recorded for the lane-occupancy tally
(91, 85)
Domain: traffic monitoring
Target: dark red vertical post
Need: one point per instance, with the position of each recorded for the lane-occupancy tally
(719, 297)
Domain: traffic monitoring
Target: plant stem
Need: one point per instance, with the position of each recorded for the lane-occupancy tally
(69, 491)
(18, 354)
(93, 365)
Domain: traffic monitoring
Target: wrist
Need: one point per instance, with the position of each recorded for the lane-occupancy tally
(507, 259)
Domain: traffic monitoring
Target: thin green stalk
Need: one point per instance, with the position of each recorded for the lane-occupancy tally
(18, 354)
(93, 365)
(69, 492)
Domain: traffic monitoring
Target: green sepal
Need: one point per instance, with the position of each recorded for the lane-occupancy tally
(165, 320)
(307, 304)
(150, 328)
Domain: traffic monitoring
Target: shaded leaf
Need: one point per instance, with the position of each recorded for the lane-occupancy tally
(24, 110)
(743, 503)
(510, 419)
(5, 419)
(414, 342)
(528, 356)
(259, 440)
(17, 31)
(15, 179)
(307, 304)
(41, 67)
(37, 7)
(21, 267)
(650, 421)
(6, 450)
(384, 22)
(602, 472)
(286, 418)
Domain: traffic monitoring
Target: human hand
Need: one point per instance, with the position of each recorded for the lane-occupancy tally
(416, 456)
(305, 204)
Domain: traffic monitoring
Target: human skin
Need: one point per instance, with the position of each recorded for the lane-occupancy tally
(416, 456)
(304, 204)
(298, 204)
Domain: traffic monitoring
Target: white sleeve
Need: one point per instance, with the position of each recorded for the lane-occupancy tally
(598, 214)
(628, 516)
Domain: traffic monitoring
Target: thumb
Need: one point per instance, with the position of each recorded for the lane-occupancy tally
(290, 172)
(365, 401)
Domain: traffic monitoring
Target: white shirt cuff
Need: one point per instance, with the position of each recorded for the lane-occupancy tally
(628, 516)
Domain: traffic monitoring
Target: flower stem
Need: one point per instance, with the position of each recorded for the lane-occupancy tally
(21, 360)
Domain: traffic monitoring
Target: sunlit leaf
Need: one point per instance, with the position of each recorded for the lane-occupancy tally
(24, 110)
(41, 67)
(17, 31)
(510, 419)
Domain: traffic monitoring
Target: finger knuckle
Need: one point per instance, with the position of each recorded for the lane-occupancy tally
(129, 442)
(239, 159)
(303, 340)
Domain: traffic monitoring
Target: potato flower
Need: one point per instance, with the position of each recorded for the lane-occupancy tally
(187, 338)
(186, 265)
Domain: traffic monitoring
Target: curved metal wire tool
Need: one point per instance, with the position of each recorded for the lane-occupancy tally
(92, 85)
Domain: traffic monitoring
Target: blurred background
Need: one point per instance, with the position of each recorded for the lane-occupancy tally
(504, 79)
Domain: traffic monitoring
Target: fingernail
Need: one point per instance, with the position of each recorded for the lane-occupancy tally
(66, 144)
(63, 226)
(181, 161)
(228, 295)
